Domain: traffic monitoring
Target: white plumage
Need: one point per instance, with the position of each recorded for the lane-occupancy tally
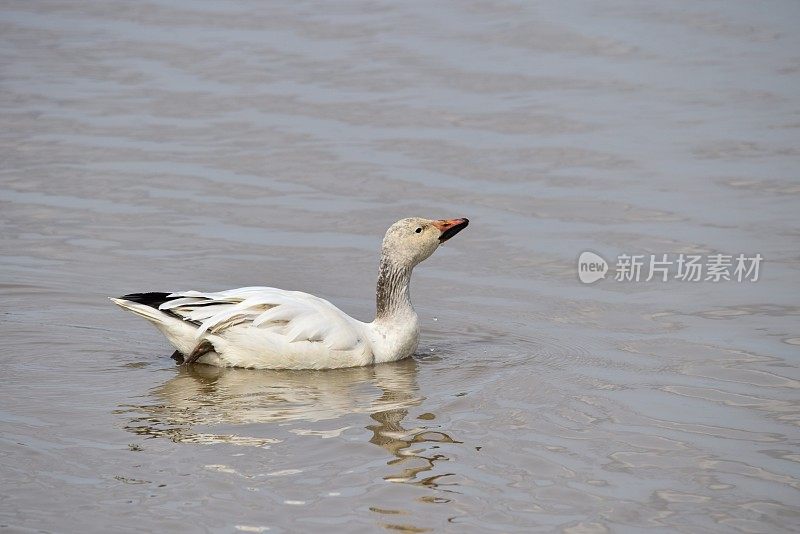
(269, 328)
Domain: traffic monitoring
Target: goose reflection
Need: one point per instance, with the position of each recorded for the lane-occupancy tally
(206, 404)
(412, 448)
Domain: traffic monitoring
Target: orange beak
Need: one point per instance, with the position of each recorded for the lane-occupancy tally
(450, 227)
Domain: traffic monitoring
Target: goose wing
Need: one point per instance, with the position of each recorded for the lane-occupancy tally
(295, 315)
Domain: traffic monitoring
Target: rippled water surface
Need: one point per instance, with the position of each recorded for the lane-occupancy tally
(208, 145)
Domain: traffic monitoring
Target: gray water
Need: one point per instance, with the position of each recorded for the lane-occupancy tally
(210, 145)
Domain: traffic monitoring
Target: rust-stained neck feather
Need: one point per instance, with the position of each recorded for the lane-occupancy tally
(392, 294)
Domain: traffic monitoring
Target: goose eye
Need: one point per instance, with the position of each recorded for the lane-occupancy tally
(418, 230)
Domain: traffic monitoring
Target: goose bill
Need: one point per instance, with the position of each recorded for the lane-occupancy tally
(450, 227)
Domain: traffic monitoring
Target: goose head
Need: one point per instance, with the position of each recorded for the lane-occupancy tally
(410, 241)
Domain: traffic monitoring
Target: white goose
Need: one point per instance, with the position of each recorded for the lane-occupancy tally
(268, 328)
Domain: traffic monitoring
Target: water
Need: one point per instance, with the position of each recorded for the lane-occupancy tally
(203, 145)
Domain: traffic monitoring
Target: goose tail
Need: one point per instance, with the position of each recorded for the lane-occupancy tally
(181, 334)
(154, 315)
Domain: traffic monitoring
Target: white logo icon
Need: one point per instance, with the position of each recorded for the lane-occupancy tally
(591, 267)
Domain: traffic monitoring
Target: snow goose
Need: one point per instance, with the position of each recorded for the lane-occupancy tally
(268, 328)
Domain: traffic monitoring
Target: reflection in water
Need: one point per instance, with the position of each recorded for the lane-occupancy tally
(206, 404)
(407, 445)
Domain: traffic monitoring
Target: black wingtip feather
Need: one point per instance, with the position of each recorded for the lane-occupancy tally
(153, 299)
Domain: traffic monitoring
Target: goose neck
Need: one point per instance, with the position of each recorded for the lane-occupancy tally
(392, 294)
